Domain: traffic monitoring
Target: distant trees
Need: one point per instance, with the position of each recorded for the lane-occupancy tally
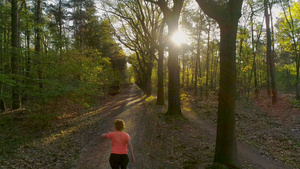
(138, 25)
(171, 17)
(44, 57)
(288, 37)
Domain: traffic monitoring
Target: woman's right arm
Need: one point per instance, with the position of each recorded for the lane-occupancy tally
(104, 136)
(131, 150)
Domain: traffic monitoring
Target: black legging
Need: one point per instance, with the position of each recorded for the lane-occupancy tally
(118, 160)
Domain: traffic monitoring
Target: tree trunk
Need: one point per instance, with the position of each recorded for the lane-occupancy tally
(297, 77)
(15, 52)
(149, 75)
(28, 59)
(160, 68)
(200, 76)
(216, 73)
(269, 55)
(187, 76)
(171, 17)
(183, 70)
(226, 151)
(227, 15)
(253, 53)
(149, 72)
(174, 107)
(268, 77)
(207, 61)
(60, 16)
(197, 59)
(38, 41)
(2, 62)
(213, 66)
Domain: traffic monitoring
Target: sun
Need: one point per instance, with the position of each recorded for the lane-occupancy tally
(179, 37)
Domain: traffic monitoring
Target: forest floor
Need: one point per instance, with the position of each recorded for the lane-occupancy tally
(268, 136)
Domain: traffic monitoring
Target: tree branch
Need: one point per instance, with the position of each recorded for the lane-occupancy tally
(210, 8)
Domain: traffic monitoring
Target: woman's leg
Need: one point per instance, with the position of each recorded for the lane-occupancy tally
(114, 161)
(124, 161)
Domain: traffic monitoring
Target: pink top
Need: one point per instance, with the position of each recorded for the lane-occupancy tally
(119, 142)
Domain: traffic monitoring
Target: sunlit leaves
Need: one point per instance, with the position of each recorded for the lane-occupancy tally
(288, 27)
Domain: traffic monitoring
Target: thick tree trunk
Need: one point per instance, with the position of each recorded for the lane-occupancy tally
(227, 15)
(171, 17)
(269, 55)
(174, 107)
(226, 151)
(15, 52)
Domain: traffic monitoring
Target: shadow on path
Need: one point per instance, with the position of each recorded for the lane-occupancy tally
(245, 154)
(129, 107)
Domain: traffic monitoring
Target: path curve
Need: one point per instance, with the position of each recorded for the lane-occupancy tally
(130, 107)
(245, 154)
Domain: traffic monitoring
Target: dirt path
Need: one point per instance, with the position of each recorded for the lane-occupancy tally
(132, 111)
(245, 154)
(130, 107)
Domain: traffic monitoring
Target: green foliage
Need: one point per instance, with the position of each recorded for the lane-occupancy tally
(6, 80)
(77, 74)
(287, 25)
(151, 99)
(296, 103)
(183, 96)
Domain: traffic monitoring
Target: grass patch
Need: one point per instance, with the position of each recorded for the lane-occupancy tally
(18, 130)
(151, 99)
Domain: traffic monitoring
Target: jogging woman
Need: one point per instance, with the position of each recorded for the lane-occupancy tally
(119, 141)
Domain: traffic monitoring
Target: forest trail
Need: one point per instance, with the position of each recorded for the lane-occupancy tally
(245, 154)
(129, 106)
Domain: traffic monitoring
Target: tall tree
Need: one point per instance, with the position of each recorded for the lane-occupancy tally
(171, 16)
(39, 38)
(15, 52)
(227, 14)
(56, 25)
(160, 67)
(289, 29)
(250, 3)
(207, 59)
(138, 32)
(269, 54)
